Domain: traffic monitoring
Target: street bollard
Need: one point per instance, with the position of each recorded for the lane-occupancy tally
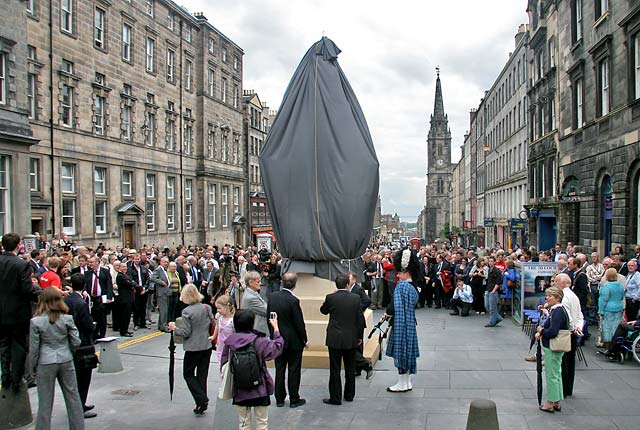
(483, 415)
(109, 355)
(15, 408)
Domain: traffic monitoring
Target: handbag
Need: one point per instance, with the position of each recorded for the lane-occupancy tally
(226, 384)
(86, 357)
(511, 284)
(562, 342)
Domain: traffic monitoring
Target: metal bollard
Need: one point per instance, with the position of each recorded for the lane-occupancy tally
(483, 415)
(109, 355)
(15, 408)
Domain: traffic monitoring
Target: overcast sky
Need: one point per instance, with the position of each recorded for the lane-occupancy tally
(389, 53)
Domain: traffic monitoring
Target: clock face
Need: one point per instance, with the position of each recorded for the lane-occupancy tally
(440, 162)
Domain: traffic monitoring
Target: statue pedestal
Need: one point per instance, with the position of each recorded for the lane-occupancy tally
(15, 408)
(311, 291)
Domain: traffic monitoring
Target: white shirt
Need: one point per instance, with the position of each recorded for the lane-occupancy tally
(571, 303)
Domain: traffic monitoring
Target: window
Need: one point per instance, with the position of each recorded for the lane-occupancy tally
(552, 110)
(440, 186)
(127, 183)
(32, 95)
(66, 15)
(223, 90)
(552, 53)
(211, 82)
(126, 41)
(171, 133)
(212, 205)
(101, 217)
(150, 7)
(553, 176)
(224, 146)
(577, 104)
(67, 176)
(187, 75)
(603, 90)
(188, 185)
(212, 46)
(576, 11)
(150, 128)
(170, 61)
(126, 123)
(171, 186)
(225, 205)
(187, 33)
(224, 54)
(69, 216)
(30, 6)
(188, 132)
(67, 67)
(235, 63)
(99, 28)
(171, 212)
(211, 140)
(188, 209)
(34, 174)
(150, 55)
(602, 7)
(236, 96)
(32, 52)
(151, 186)
(5, 192)
(170, 20)
(3, 82)
(100, 181)
(98, 119)
(636, 68)
(151, 216)
(100, 79)
(236, 200)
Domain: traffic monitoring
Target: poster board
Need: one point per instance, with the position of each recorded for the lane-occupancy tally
(264, 242)
(535, 278)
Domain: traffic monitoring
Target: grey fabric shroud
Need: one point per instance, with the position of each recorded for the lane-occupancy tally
(319, 166)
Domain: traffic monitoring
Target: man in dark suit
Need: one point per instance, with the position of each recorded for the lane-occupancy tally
(82, 266)
(140, 275)
(78, 303)
(16, 294)
(361, 362)
(293, 331)
(343, 337)
(99, 286)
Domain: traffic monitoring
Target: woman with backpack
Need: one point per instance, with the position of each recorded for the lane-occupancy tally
(196, 319)
(247, 352)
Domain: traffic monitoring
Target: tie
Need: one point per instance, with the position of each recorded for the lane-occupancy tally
(94, 289)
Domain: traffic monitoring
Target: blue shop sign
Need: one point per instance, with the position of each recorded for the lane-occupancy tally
(519, 225)
(489, 222)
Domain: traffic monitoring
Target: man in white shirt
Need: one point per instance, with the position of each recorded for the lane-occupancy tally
(576, 320)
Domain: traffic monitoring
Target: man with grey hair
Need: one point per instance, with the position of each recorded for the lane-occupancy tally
(572, 305)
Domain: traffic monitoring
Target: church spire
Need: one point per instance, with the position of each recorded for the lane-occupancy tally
(438, 107)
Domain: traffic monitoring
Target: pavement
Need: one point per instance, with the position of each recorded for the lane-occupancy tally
(460, 360)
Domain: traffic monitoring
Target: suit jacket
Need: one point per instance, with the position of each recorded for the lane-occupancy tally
(16, 290)
(126, 288)
(52, 343)
(160, 282)
(365, 300)
(77, 270)
(34, 265)
(104, 280)
(290, 319)
(254, 301)
(79, 310)
(197, 276)
(345, 319)
(181, 275)
(197, 320)
(133, 275)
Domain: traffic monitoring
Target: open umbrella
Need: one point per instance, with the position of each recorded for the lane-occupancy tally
(172, 359)
(539, 372)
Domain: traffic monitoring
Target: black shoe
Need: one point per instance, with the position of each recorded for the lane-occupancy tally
(200, 409)
(88, 407)
(331, 402)
(126, 335)
(359, 373)
(348, 400)
(454, 313)
(438, 307)
(489, 325)
(31, 384)
(279, 404)
(370, 373)
(88, 415)
(297, 403)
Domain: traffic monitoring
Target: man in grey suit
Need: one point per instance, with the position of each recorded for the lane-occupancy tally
(251, 299)
(160, 280)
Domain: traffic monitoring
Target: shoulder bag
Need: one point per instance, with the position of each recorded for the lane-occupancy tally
(562, 342)
(226, 384)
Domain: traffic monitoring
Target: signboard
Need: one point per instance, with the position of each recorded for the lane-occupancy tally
(518, 225)
(489, 222)
(29, 241)
(535, 278)
(264, 242)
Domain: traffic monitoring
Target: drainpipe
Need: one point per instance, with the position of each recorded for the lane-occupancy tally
(51, 156)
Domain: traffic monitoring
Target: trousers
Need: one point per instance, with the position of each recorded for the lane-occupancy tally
(261, 414)
(291, 359)
(163, 312)
(336, 358)
(14, 347)
(46, 377)
(195, 370)
(552, 373)
(569, 368)
(140, 310)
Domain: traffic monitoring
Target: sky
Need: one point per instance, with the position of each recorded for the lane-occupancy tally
(390, 50)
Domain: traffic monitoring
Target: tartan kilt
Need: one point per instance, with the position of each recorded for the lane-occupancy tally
(402, 343)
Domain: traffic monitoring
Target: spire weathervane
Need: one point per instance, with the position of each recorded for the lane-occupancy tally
(438, 70)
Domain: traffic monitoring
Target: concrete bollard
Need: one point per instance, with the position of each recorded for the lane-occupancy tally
(483, 415)
(109, 355)
(15, 408)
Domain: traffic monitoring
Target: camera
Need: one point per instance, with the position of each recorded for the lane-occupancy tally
(273, 316)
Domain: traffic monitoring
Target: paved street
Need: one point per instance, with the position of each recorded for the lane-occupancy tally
(461, 360)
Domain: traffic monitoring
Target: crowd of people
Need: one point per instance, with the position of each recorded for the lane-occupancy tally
(56, 301)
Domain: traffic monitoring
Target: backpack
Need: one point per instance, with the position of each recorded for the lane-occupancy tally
(246, 367)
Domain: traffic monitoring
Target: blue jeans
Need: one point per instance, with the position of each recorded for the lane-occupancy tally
(491, 304)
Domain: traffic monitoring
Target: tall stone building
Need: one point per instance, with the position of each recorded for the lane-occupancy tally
(141, 134)
(436, 211)
(16, 136)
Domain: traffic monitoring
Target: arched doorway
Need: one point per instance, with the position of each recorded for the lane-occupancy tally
(607, 213)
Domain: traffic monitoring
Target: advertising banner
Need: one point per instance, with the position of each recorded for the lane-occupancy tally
(535, 278)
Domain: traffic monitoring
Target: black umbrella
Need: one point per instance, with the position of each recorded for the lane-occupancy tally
(539, 371)
(172, 359)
